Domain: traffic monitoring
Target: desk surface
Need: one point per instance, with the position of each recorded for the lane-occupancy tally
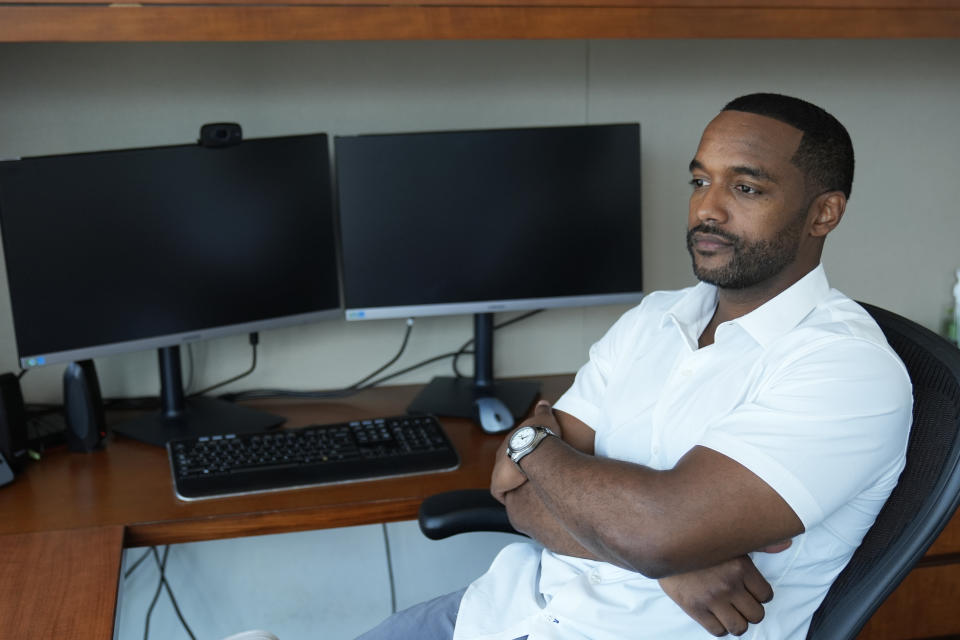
(66, 518)
(128, 484)
(60, 584)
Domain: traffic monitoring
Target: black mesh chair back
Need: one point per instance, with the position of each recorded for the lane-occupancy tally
(926, 495)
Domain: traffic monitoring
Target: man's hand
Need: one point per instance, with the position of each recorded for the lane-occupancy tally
(506, 475)
(543, 414)
(722, 599)
(725, 598)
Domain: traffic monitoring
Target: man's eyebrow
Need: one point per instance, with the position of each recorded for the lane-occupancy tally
(755, 172)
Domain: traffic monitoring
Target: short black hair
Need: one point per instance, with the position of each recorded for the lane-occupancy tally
(825, 154)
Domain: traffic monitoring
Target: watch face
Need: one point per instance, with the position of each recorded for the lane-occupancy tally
(522, 438)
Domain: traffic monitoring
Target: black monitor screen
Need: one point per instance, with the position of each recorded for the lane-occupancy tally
(489, 220)
(121, 250)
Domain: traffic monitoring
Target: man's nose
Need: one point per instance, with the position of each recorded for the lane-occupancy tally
(710, 205)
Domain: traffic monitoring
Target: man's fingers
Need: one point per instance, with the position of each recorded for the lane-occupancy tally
(709, 622)
(724, 599)
(777, 547)
(732, 621)
(506, 476)
(748, 607)
(543, 408)
(756, 584)
(543, 414)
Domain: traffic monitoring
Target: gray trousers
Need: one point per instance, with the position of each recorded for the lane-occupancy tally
(430, 620)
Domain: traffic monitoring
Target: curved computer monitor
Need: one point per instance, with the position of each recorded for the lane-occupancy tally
(475, 222)
(117, 251)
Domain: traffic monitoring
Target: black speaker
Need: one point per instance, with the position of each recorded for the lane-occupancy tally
(13, 422)
(83, 407)
(220, 134)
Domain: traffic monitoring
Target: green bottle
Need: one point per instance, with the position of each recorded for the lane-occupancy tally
(955, 315)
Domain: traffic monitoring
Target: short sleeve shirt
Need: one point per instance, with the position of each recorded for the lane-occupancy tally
(804, 392)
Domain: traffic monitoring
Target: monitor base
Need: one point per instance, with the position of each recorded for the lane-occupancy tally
(448, 396)
(202, 417)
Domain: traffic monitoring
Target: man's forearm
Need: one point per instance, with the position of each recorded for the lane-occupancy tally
(704, 511)
(723, 599)
(528, 515)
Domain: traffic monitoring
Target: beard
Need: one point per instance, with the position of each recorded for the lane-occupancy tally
(751, 262)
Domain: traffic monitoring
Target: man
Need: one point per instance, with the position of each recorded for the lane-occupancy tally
(723, 442)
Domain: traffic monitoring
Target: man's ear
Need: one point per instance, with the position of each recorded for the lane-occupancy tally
(827, 210)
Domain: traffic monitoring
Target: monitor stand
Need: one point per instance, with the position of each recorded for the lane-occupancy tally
(449, 396)
(181, 417)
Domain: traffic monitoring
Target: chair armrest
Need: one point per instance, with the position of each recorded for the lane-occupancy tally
(445, 514)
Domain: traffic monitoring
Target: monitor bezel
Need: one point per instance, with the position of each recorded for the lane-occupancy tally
(121, 347)
(490, 306)
(172, 340)
(474, 307)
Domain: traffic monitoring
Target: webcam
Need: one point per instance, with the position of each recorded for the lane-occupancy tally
(220, 134)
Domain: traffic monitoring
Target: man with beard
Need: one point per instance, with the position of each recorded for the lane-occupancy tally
(726, 447)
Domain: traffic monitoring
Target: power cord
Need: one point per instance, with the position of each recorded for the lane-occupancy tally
(403, 347)
(365, 383)
(254, 341)
(133, 567)
(393, 586)
(153, 603)
(161, 584)
(356, 387)
(163, 580)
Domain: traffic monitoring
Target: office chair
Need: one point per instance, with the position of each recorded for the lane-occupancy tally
(918, 509)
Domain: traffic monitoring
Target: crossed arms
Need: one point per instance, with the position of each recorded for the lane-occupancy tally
(690, 526)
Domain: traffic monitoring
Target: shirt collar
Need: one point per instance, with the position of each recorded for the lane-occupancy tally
(764, 324)
(691, 313)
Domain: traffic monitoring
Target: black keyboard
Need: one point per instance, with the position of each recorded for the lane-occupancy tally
(234, 464)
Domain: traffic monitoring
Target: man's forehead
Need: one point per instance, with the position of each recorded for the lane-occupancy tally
(739, 137)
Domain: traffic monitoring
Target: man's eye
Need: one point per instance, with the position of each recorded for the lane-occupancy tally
(696, 183)
(747, 189)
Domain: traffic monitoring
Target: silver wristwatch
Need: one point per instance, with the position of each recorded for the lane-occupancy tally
(525, 439)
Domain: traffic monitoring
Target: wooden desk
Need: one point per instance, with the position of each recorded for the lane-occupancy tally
(66, 518)
(60, 584)
(128, 484)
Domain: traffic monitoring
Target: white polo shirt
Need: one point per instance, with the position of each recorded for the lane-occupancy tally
(804, 392)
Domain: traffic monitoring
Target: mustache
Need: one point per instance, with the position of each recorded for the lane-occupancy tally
(720, 233)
